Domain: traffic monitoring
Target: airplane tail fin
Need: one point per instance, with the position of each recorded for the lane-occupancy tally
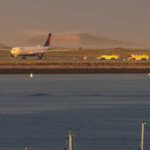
(47, 43)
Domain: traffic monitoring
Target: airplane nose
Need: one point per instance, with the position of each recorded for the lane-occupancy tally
(12, 51)
(15, 52)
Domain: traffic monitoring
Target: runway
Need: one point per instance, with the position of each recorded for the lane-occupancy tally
(70, 62)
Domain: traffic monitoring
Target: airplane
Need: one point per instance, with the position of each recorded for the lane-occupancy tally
(37, 51)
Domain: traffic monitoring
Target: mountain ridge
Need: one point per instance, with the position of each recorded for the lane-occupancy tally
(76, 40)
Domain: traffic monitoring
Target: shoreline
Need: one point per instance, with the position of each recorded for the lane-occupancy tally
(74, 67)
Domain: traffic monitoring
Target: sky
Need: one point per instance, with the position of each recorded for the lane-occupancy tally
(125, 20)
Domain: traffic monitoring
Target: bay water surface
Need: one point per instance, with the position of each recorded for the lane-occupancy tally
(103, 111)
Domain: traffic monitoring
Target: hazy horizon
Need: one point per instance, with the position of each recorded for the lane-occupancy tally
(116, 19)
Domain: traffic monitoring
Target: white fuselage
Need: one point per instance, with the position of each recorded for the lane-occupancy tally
(31, 51)
(28, 51)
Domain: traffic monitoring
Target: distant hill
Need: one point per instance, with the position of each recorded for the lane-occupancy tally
(80, 40)
(89, 40)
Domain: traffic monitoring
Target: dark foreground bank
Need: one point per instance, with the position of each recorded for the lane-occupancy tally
(73, 67)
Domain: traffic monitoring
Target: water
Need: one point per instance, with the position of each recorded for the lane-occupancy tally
(104, 112)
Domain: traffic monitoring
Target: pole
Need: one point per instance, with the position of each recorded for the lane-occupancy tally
(70, 141)
(142, 136)
(26, 147)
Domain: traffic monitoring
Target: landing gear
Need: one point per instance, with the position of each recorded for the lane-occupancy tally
(12, 56)
(40, 55)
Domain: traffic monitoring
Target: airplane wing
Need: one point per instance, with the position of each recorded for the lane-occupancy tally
(60, 50)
